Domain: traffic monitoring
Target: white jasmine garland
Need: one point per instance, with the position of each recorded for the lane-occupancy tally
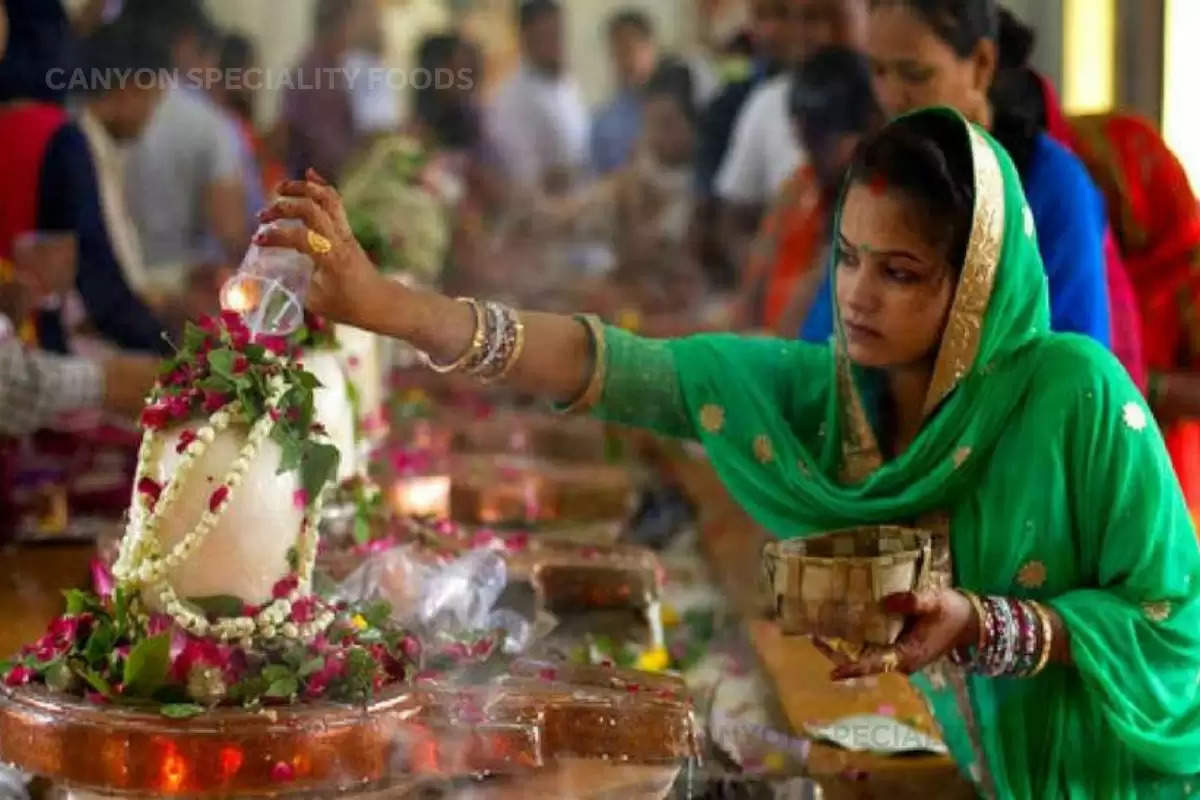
(139, 562)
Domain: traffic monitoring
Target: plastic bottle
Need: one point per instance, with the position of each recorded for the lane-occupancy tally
(270, 287)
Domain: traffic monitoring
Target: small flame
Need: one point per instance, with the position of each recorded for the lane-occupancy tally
(238, 299)
(422, 496)
(231, 761)
(174, 770)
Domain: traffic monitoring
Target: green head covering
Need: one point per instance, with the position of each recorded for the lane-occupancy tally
(817, 464)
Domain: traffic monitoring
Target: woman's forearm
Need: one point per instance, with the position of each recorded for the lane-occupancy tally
(556, 362)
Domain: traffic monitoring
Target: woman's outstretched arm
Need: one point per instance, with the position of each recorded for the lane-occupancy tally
(559, 353)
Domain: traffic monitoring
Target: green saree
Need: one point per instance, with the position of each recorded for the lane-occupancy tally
(1039, 465)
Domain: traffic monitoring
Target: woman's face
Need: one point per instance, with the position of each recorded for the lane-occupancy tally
(913, 67)
(893, 285)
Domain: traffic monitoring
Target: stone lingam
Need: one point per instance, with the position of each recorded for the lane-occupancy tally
(205, 665)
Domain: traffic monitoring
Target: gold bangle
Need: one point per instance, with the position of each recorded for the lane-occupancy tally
(517, 351)
(478, 340)
(595, 388)
(1047, 637)
(981, 615)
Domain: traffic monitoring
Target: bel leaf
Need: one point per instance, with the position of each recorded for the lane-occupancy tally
(100, 643)
(293, 452)
(308, 380)
(283, 688)
(275, 673)
(221, 362)
(319, 465)
(147, 666)
(312, 666)
(78, 602)
(95, 680)
(362, 529)
(216, 383)
(180, 710)
(193, 337)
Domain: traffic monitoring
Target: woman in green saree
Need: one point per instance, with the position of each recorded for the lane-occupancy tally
(944, 401)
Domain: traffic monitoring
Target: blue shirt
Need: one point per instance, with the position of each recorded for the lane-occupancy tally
(615, 130)
(1070, 216)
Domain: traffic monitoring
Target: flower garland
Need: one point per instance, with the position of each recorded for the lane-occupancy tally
(281, 394)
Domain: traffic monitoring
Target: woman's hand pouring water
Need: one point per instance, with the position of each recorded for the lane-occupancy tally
(344, 276)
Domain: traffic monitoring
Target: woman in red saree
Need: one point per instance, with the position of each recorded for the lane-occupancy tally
(1156, 219)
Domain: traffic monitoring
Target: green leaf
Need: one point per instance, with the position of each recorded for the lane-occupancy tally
(307, 380)
(319, 465)
(283, 688)
(78, 602)
(293, 452)
(215, 383)
(181, 710)
(293, 559)
(248, 691)
(377, 614)
(93, 679)
(221, 605)
(221, 362)
(147, 666)
(59, 676)
(255, 352)
(276, 672)
(312, 666)
(362, 529)
(193, 337)
(100, 643)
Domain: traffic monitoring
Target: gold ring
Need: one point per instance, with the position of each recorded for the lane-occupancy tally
(319, 244)
(890, 661)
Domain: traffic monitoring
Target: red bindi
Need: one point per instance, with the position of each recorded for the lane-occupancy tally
(877, 184)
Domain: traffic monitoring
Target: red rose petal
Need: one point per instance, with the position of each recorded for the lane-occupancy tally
(283, 772)
(214, 401)
(155, 417)
(240, 365)
(185, 440)
(300, 498)
(217, 498)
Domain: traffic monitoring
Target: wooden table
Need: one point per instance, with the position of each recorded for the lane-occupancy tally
(32, 580)
(800, 674)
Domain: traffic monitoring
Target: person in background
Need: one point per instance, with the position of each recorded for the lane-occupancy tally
(538, 123)
(184, 177)
(36, 386)
(764, 150)
(944, 52)
(654, 198)
(833, 108)
(617, 125)
(1019, 89)
(236, 56)
(52, 186)
(374, 104)
(318, 108)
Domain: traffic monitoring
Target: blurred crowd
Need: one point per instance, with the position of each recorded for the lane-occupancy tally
(697, 196)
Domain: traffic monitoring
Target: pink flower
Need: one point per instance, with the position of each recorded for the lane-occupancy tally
(209, 325)
(411, 647)
(178, 405)
(102, 579)
(517, 542)
(96, 699)
(204, 653)
(155, 417)
(315, 323)
(300, 498)
(318, 682)
(548, 674)
(458, 651)
(249, 610)
(283, 772)
(185, 440)
(274, 414)
(481, 648)
(149, 486)
(274, 344)
(157, 624)
(240, 365)
(214, 401)
(19, 676)
(304, 609)
(217, 498)
(284, 587)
